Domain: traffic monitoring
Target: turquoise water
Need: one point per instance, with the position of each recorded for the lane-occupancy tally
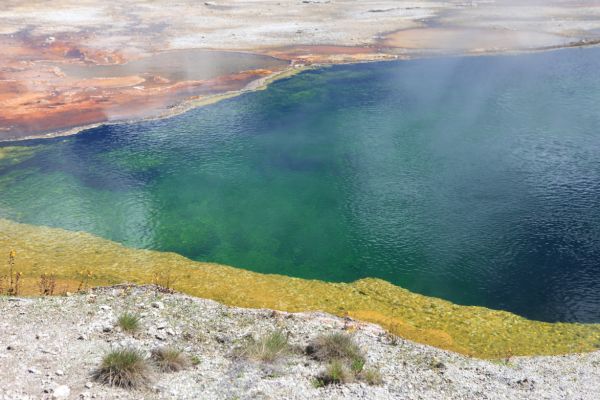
(472, 179)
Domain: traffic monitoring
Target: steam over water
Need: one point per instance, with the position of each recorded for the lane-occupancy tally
(472, 179)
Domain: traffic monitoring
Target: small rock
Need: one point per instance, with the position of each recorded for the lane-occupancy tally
(221, 339)
(59, 372)
(170, 332)
(19, 300)
(105, 308)
(32, 370)
(89, 385)
(106, 329)
(160, 336)
(82, 337)
(61, 392)
(158, 304)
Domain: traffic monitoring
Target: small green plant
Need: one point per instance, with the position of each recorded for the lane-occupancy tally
(129, 322)
(268, 348)
(357, 364)
(372, 376)
(337, 372)
(195, 360)
(337, 346)
(126, 368)
(318, 383)
(169, 359)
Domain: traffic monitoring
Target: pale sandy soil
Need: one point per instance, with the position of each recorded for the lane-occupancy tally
(37, 96)
(50, 347)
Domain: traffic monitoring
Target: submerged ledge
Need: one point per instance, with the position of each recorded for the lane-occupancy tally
(474, 331)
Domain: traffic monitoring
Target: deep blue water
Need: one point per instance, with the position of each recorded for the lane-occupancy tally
(472, 179)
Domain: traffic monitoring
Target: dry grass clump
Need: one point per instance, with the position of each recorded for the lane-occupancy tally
(372, 376)
(129, 322)
(336, 372)
(169, 359)
(126, 368)
(84, 280)
(268, 348)
(47, 284)
(163, 282)
(337, 346)
(345, 360)
(11, 283)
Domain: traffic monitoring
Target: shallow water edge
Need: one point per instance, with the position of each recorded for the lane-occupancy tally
(470, 330)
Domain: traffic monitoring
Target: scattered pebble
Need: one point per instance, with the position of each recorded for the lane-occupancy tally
(213, 333)
(158, 304)
(61, 392)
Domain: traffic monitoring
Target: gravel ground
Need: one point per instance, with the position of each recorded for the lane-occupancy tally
(50, 346)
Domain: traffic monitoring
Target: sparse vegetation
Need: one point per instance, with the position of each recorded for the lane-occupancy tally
(11, 283)
(129, 322)
(372, 376)
(345, 359)
(84, 280)
(337, 346)
(163, 281)
(392, 339)
(437, 365)
(169, 359)
(267, 348)
(47, 284)
(195, 360)
(126, 368)
(337, 372)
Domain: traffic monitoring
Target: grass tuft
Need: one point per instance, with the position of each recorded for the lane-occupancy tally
(346, 361)
(126, 368)
(169, 359)
(337, 372)
(337, 346)
(372, 376)
(129, 322)
(268, 348)
(195, 360)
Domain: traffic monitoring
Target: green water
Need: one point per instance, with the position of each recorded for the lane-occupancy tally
(472, 179)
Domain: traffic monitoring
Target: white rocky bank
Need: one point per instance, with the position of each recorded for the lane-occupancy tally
(50, 346)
